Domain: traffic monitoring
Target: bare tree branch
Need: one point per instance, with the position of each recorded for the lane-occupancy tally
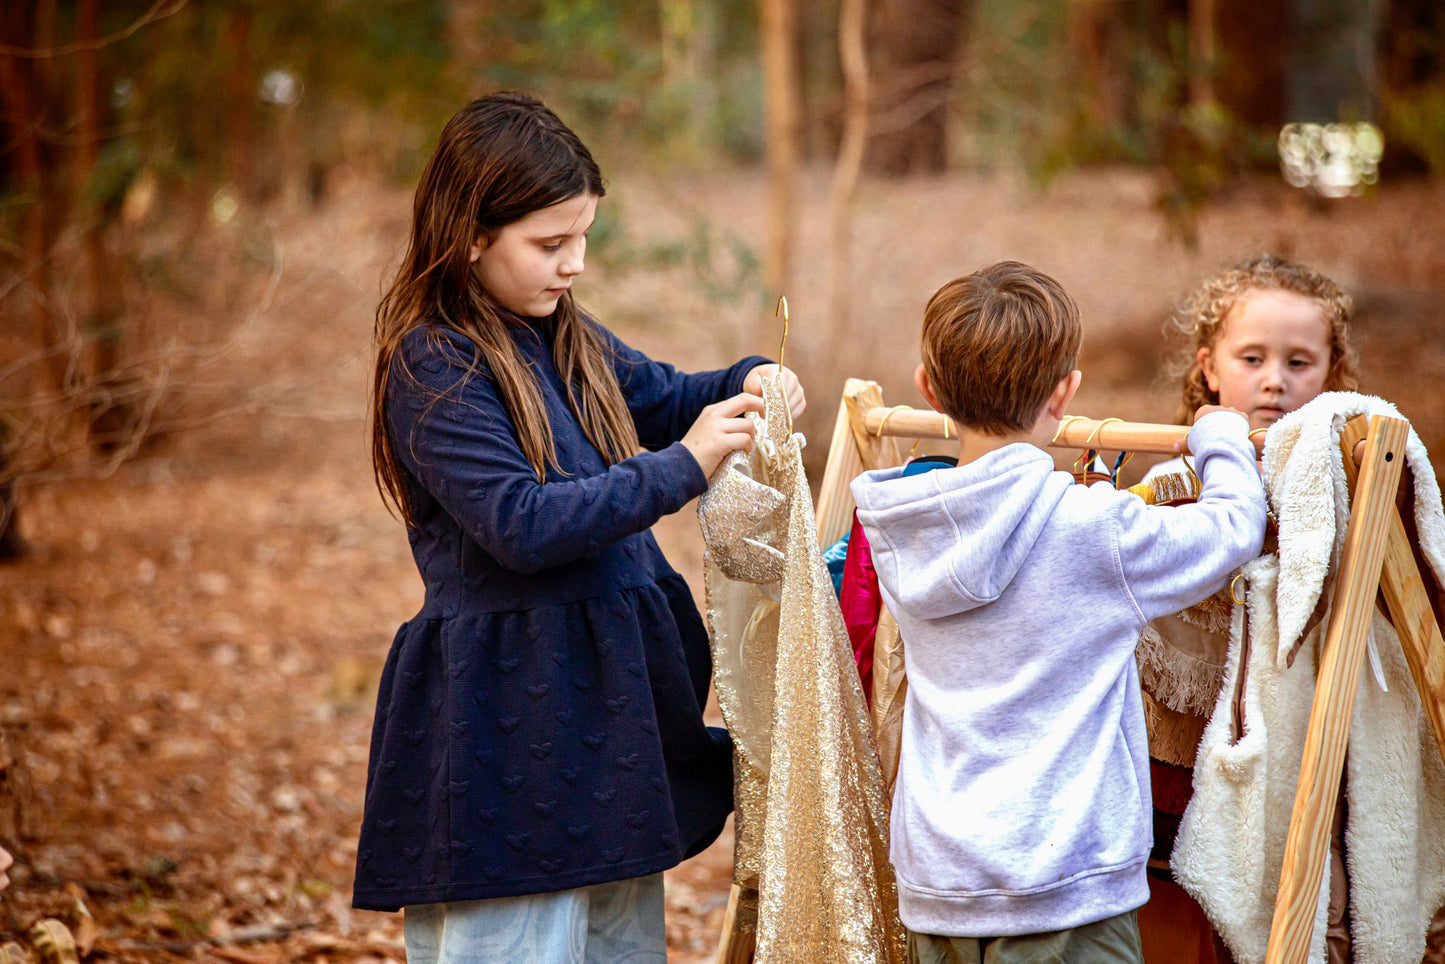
(154, 392)
(158, 11)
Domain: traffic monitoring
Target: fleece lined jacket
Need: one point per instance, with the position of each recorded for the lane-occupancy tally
(1022, 802)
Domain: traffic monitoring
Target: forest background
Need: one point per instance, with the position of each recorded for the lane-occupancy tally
(201, 201)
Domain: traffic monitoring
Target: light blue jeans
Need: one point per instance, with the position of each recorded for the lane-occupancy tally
(620, 921)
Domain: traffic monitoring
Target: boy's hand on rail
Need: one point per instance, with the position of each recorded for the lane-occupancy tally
(722, 428)
(792, 388)
(1182, 445)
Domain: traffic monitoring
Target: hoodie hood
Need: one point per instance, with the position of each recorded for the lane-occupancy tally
(950, 540)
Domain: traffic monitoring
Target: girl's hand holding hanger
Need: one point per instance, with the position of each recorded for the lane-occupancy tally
(792, 388)
(722, 428)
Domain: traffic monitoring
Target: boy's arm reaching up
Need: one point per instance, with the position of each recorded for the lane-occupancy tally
(1175, 556)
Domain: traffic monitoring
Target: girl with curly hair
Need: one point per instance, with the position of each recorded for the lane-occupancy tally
(1265, 336)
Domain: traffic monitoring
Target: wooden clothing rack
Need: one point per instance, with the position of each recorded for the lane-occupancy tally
(1380, 555)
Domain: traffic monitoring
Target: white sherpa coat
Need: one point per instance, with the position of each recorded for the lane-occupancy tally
(1231, 842)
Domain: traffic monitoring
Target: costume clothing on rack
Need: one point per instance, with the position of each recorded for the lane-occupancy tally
(1181, 666)
(1232, 839)
(811, 825)
(859, 596)
(539, 721)
(1181, 673)
(1181, 656)
(834, 557)
(1023, 707)
(861, 602)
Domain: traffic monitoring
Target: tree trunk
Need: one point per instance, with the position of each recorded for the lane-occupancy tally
(1332, 67)
(241, 103)
(26, 114)
(24, 97)
(109, 418)
(852, 57)
(1203, 55)
(1412, 70)
(1252, 40)
(1098, 38)
(917, 44)
(780, 103)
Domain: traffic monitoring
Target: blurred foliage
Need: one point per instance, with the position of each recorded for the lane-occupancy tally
(1028, 95)
(1203, 149)
(1416, 120)
(1033, 94)
(720, 265)
(679, 79)
(1013, 103)
(371, 80)
(672, 76)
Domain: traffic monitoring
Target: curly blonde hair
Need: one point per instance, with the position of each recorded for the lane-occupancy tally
(1201, 315)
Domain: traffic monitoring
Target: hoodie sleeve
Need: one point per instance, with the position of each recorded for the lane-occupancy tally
(1174, 556)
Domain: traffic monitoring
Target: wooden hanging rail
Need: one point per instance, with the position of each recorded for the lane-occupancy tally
(1075, 431)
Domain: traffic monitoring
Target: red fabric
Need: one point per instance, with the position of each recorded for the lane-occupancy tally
(1171, 785)
(861, 604)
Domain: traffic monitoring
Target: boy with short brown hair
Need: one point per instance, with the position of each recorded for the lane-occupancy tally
(1020, 821)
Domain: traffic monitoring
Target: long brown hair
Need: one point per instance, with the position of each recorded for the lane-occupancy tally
(1200, 318)
(500, 158)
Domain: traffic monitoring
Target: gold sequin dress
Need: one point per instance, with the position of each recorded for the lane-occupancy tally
(811, 824)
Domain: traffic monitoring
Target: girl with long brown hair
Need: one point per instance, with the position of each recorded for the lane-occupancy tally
(538, 756)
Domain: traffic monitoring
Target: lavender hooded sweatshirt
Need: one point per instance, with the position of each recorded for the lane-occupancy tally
(1022, 803)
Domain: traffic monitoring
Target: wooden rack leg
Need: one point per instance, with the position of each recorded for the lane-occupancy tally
(1341, 659)
(875, 452)
(835, 498)
(739, 928)
(1402, 581)
(1417, 627)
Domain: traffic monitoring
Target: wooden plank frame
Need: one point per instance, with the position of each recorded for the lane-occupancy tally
(1380, 557)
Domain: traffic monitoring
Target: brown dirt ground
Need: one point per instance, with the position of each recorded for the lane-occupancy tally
(190, 652)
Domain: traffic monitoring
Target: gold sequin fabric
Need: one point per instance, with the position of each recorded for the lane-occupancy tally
(811, 823)
(742, 522)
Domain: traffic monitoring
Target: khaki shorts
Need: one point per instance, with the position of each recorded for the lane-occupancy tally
(1113, 940)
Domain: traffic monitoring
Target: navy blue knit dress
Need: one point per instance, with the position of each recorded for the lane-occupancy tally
(539, 722)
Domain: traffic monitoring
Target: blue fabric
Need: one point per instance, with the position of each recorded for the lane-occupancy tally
(539, 721)
(833, 557)
(927, 463)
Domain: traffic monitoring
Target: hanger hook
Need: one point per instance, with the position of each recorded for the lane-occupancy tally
(782, 310)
